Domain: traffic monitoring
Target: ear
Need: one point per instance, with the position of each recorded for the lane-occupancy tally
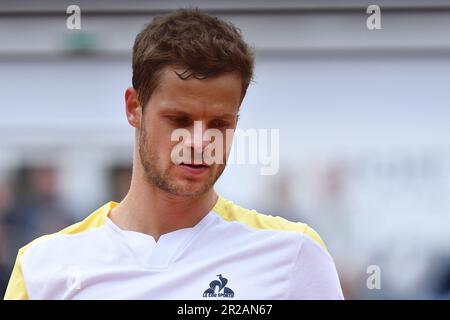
(133, 108)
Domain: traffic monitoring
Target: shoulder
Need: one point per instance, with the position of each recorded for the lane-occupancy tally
(253, 219)
(95, 220)
(312, 271)
(314, 274)
(46, 248)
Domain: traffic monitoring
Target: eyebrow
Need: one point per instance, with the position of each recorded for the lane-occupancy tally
(175, 111)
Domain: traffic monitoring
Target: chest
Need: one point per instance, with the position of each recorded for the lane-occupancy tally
(239, 279)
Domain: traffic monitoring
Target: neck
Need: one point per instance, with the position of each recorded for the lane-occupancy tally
(148, 209)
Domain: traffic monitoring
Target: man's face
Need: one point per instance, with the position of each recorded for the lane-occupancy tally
(177, 104)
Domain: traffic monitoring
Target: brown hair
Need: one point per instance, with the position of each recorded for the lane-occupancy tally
(204, 45)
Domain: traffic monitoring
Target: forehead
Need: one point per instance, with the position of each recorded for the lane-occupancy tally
(211, 95)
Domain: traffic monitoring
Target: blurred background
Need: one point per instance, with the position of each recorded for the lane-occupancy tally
(364, 120)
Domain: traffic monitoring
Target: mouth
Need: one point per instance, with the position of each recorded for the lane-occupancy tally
(194, 168)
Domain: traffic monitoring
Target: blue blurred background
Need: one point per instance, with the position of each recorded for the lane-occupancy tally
(364, 120)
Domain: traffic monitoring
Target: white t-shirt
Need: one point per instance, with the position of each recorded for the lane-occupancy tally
(232, 253)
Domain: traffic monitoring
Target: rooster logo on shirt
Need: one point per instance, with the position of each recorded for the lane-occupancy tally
(218, 289)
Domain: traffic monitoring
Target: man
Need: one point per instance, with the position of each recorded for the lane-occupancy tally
(172, 236)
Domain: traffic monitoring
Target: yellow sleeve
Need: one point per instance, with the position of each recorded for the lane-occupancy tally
(16, 289)
(232, 212)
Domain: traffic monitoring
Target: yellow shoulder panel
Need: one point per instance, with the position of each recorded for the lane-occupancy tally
(16, 289)
(232, 212)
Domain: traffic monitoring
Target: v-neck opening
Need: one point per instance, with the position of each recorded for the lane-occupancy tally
(158, 254)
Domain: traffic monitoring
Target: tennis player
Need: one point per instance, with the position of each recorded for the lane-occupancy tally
(173, 236)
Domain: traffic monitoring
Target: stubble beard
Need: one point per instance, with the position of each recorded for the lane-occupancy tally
(161, 178)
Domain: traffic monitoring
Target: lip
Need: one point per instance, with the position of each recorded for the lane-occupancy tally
(194, 169)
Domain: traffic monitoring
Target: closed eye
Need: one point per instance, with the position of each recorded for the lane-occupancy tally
(218, 124)
(179, 121)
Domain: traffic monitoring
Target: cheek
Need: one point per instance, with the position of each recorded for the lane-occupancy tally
(157, 134)
(163, 142)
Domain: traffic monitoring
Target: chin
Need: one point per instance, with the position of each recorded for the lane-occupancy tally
(190, 189)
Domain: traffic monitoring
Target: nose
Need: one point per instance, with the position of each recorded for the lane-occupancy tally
(196, 141)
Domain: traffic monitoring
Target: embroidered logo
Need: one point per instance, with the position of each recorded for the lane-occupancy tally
(218, 289)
